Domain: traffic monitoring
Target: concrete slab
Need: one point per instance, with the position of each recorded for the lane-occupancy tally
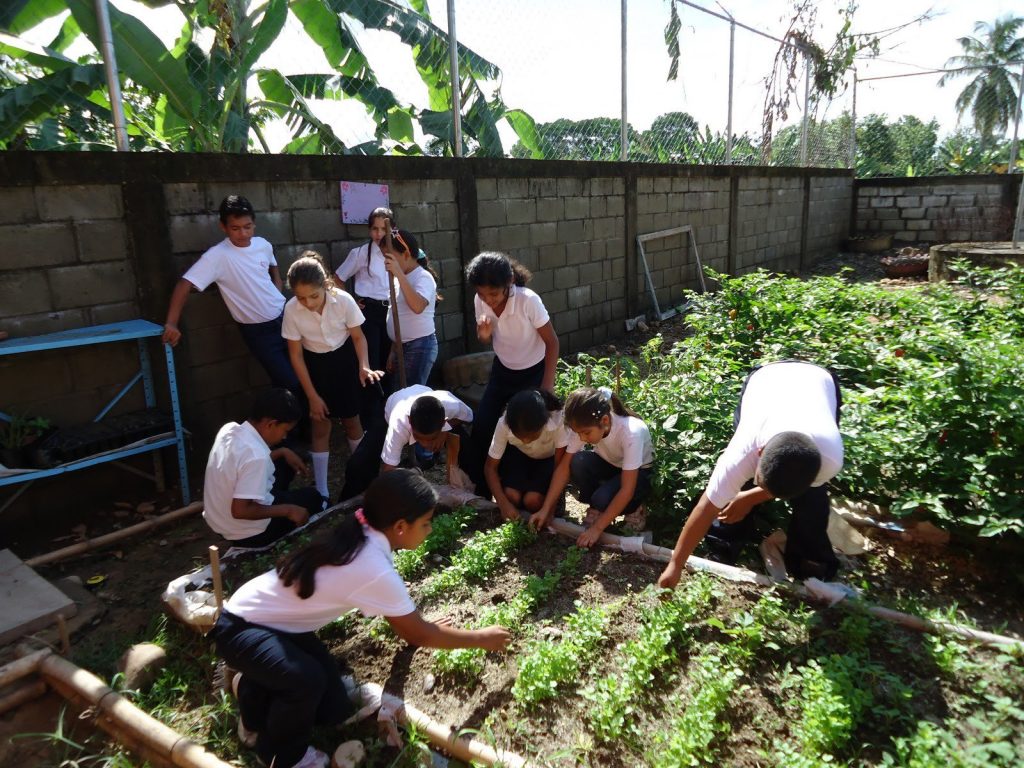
(29, 601)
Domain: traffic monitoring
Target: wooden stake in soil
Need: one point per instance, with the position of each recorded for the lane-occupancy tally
(618, 376)
(389, 247)
(218, 586)
(589, 378)
(65, 638)
(452, 443)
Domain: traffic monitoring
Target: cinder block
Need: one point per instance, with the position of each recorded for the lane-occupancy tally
(570, 187)
(543, 188)
(220, 379)
(577, 207)
(598, 206)
(602, 187)
(24, 293)
(114, 313)
(662, 185)
(102, 240)
(570, 231)
(591, 273)
(45, 322)
(46, 375)
(407, 192)
(605, 228)
(418, 219)
(195, 233)
(550, 256)
(581, 339)
(909, 201)
(120, 363)
(550, 209)
(615, 206)
(565, 322)
(488, 238)
(275, 227)
(31, 246)
(291, 195)
(521, 211)
(513, 188)
(86, 201)
(486, 189)
(491, 213)
(88, 285)
(441, 244)
(952, 189)
(17, 205)
(256, 192)
(567, 277)
(514, 236)
(578, 253)
(544, 233)
(882, 202)
(579, 296)
(184, 198)
(452, 327)
(447, 216)
(931, 201)
(438, 191)
(317, 225)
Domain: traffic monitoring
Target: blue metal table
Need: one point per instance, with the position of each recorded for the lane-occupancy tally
(129, 330)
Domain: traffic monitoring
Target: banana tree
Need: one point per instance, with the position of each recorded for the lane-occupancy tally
(218, 100)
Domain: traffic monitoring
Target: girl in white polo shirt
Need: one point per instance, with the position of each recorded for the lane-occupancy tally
(614, 478)
(529, 441)
(288, 680)
(512, 318)
(328, 351)
(415, 298)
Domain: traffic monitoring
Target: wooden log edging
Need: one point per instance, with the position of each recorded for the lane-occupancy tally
(102, 541)
(735, 573)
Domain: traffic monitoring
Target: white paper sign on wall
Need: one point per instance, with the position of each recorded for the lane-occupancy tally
(358, 199)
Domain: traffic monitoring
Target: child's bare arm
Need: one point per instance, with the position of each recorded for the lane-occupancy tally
(178, 298)
(627, 488)
(559, 480)
(250, 509)
(275, 276)
(696, 527)
(550, 338)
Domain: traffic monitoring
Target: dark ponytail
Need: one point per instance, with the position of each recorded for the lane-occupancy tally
(586, 406)
(397, 495)
(417, 253)
(529, 410)
(496, 270)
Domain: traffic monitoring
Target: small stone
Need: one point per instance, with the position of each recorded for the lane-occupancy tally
(925, 532)
(163, 542)
(146, 508)
(642, 326)
(428, 683)
(348, 755)
(550, 631)
(141, 664)
(124, 505)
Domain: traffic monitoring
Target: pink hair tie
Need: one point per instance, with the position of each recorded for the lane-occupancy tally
(361, 517)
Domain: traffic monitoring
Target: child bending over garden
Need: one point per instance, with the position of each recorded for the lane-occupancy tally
(787, 442)
(614, 478)
(529, 442)
(416, 415)
(288, 681)
(245, 493)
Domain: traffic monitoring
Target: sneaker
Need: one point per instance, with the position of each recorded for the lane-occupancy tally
(313, 758)
(637, 519)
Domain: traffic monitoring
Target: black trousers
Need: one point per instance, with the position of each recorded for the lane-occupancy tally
(599, 482)
(289, 684)
(308, 497)
(808, 550)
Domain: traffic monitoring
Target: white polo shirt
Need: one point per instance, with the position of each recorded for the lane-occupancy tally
(627, 446)
(243, 277)
(397, 410)
(321, 331)
(514, 335)
(552, 437)
(781, 397)
(369, 584)
(371, 280)
(414, 326)
(239, 467)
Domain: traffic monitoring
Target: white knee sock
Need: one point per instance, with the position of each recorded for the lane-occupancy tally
(320, 471)
(353, 443)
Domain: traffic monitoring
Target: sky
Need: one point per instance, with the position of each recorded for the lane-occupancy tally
(562, 59)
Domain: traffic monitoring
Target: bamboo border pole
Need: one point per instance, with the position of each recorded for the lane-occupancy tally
(734, 573)
(26, 692)
(101, 541)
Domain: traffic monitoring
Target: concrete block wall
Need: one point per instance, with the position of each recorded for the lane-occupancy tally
(769, 223)
(64, 263)
(950, 208)
(570, 233)
(829, 201)
(701, 203)
(87, 239)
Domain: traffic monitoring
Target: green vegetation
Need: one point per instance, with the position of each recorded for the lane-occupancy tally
(479, 558)
(447, 529)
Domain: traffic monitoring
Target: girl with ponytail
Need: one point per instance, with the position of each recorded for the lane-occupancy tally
(288, 681)
(615, 477)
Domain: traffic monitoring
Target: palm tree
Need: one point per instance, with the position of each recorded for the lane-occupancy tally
(991, 55)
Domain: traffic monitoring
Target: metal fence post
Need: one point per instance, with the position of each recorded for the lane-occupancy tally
(624, 129)
(728, 124)
(807, 110)
(110, 68)
(853, 125)
(1016, 122)
(453, 49)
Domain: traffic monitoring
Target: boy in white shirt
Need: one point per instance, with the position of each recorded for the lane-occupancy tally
(245, 271)
(787, 442)
(414, 415)
(245, 493)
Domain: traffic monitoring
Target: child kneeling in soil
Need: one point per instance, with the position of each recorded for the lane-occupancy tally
(615, 477)
(288, 680)
(245, 492)
(529, 442)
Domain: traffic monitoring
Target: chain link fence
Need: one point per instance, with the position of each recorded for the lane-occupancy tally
(537, 80)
